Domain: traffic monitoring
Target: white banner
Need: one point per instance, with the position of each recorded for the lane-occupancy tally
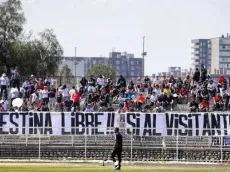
(177, 124)
(57, 123)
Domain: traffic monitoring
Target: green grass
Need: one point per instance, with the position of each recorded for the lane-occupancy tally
(94, 168)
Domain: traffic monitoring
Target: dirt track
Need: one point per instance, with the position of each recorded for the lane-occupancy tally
(98, 164)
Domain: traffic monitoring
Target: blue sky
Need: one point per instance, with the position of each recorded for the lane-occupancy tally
(95, 27)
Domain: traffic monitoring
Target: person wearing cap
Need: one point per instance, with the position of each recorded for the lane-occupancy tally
(4, 84)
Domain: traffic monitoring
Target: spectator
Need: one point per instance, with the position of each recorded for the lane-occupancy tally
(91, 84)
(65, 93)
(4, 85)
(100, 82)
(15, 78)
(203, 73)
(193, 106)
(52, 97)
(76, 100)
(14, 93)
(71, 92)
(196, 76)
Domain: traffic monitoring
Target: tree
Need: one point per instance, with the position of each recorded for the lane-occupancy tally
(66, 76)
(105, 70)
(40, 56)
(11, 26)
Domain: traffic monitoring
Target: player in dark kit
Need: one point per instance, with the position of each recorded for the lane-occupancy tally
(117, 150)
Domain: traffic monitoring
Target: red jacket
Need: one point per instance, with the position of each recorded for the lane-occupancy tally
(76, 97)
(204, 104)
(222, 80)
(183, 92)
(40, 85)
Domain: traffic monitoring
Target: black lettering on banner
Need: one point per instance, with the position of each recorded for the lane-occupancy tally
(169, 123)
(89, 123)
(3, 122)
(31, 123)
(176, 124)
(215, 124)
(23, 115)
(38, 123)
(48, 124)
(63, 125)
(73, 123)
(183, 132)
(197, 124)
(225, 123)
(15, 129)
(80, 126)
(190, 125)
(110, 123)
(135, 125)
(154, 116)
(206, 125)
(147, 125)
(98, 123)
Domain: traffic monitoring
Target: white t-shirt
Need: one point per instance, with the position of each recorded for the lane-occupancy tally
(14, 92)
(4, 80)
(34, 97)
(65, 92)
(100, 81)
(71, 92)
(45, 94)
(153, 98)
(211, 86)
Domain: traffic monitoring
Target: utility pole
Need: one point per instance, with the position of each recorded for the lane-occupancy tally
(143, 57)
(75, 62)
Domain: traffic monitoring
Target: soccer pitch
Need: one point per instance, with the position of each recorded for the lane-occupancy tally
(13, 167)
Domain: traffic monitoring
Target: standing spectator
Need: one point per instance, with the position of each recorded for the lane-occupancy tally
(146, 83)
(121, 83)
(45, 95)
(14, 92)
(76, 100)
(52, 95)
(91, 84)
(100, 82)
(83, 83)
(4, 85)
(71, 92)
(40, 84)
(196, 76)
(15, 78)
(203, 73)
(65, 93)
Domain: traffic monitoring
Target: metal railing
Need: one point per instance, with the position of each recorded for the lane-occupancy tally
(99, 147)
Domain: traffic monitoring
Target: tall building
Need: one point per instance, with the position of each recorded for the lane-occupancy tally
(201, 53)
(123, 63)
(220, 55)
(214, 53)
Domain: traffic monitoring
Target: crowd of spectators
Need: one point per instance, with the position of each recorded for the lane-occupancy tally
(198, 92)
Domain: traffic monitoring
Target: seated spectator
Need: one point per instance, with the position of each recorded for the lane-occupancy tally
(140, 101)
(218, 102)
(204, 105)
(4, 103)
(167, 90)
(183, 93)
(193, 106)
(89, 108)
